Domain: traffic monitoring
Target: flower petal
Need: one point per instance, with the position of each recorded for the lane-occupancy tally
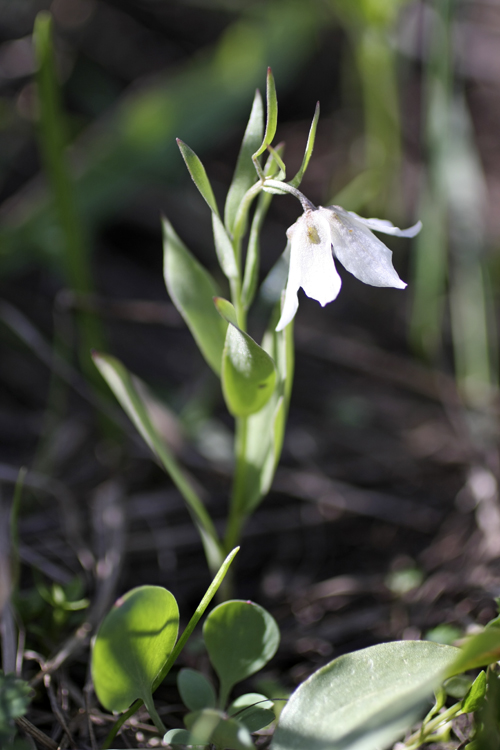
(311, 264)
(387, 227)
(359, 251)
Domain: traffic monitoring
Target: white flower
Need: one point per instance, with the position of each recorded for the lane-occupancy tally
(320, 232)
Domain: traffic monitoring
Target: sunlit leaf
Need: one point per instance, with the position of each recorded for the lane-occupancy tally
(248, 372)
(192, 290)
(198, 174)
(132, 645)
(244, 174)
(363, 700)
(309, 149)
(272, 114)
(478, 651)
(241, 638)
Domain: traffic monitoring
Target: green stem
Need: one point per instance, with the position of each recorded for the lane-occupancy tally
(149, 703)
(418, 738)
(237, 515)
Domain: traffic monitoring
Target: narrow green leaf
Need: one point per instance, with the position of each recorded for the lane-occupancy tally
(251, 275)
(195, 690)
(244, 174)
(248, 372)
(272, 114)
(198, 174)
(124, 387)
(132, 644)
(309, 149)
(474, 698)
(254, 710)
(478, 651)
(363, 700)
(241, 638)
(224, 249)
(192, 290)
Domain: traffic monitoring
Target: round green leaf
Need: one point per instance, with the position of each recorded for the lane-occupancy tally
(132, 645)
(195, 690)
(363, 700)
(241, 638)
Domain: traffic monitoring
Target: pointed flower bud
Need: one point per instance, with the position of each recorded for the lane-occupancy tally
(322, 234)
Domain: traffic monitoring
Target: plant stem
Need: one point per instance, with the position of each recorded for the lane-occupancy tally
(237, 515)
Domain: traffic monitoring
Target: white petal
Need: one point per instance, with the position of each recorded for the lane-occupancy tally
(311, 264)
(359, 251)
(382, 225)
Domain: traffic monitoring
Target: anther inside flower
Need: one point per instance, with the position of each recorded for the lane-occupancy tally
(322, 234)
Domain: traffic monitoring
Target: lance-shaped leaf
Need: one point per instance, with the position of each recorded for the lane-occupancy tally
(241, 638)
(272, 114)
(478, 651)
(124, 386)
(198, 174)
(224, 248)
(192, 290)
(363, 700)
(251, 275)
(309, 149)
(132, 645)
(248, 372)
(244, 174)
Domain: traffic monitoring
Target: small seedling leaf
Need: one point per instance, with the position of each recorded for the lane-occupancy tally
(192, 289)
(241, 638)
(132, 645)
(195, 690)
(363, 700)
(248, 372)
(178, 737)
(254, 710)
(199, 175)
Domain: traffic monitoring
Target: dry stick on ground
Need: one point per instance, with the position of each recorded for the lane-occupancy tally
(37, 735)
(47, 681)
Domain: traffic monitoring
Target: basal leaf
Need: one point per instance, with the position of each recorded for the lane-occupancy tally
(363, 700)
(132, 645)
(192, 289)
(241, 638)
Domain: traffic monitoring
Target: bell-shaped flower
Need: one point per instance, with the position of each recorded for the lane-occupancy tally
(322, 234)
